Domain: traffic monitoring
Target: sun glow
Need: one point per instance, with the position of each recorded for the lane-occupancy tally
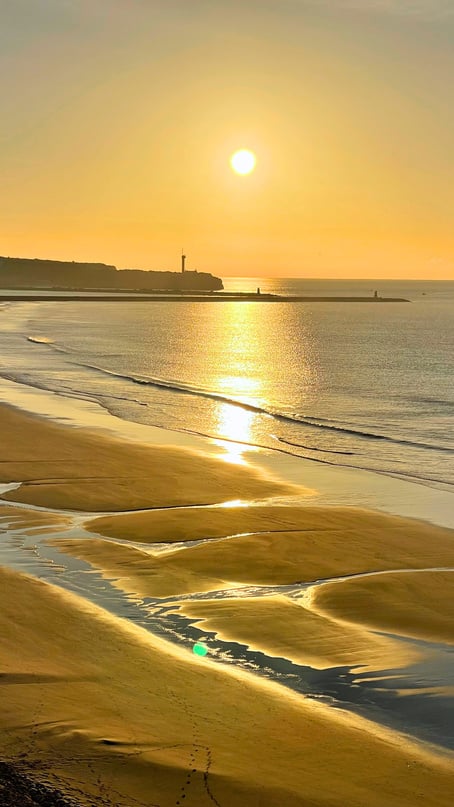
(243, 161)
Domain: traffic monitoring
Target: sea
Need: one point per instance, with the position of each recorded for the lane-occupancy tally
(365, 386)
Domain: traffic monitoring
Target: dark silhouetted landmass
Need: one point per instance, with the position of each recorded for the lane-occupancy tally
(17, 273)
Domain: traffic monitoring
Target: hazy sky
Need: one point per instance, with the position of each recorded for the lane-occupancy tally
(118, 119)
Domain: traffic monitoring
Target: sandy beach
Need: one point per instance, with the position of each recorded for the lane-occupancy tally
(112, 714)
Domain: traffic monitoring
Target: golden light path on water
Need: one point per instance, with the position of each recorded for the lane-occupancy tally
(242, 339)
(236, 425)
(247, 356)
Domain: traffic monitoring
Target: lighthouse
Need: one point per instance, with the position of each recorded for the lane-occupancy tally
(183, 258)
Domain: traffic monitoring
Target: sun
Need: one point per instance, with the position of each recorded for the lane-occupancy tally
(243, 161)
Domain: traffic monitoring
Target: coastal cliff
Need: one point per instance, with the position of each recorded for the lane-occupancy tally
(46, 274)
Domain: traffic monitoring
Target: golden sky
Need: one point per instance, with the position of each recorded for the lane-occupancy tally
(119, 118)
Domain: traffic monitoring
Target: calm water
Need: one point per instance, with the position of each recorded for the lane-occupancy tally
(363, 385)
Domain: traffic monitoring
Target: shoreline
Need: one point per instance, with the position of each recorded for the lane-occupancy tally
(336, 481)
(142, 739)
(327, 485)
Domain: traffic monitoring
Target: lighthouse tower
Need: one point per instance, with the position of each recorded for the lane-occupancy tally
(183, 259)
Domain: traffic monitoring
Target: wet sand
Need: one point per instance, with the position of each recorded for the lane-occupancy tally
(115, 715)
(317, 543)
(74, 469)
(286, 629)
(419, 604)
(32, 522)
(110, 710)
(380, 530)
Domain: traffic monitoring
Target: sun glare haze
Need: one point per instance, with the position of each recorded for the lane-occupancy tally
(243, 161)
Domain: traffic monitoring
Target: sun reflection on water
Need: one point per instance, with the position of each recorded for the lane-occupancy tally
(234, 503)
(249, 359)
(235, 424)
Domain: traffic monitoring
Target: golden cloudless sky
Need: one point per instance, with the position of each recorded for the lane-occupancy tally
(119, 117)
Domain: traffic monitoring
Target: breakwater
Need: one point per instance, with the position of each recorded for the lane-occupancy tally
(209, 297)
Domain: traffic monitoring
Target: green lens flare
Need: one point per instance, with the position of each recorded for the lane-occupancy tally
(200, 649)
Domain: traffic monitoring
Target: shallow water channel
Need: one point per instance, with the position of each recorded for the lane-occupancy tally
(425, 712)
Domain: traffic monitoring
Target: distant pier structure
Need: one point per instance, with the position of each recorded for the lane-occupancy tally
(183, 261)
